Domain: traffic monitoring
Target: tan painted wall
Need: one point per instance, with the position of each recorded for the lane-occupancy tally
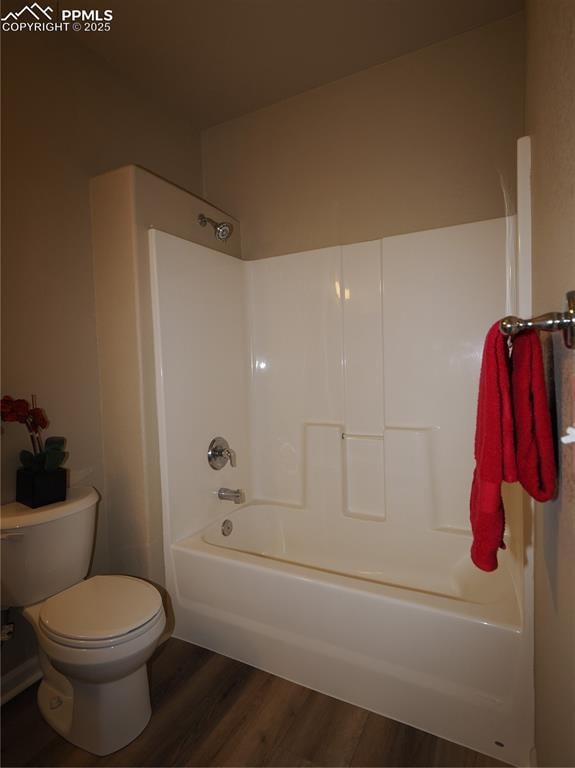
(419, 142)
(551, 122)
(67, 118)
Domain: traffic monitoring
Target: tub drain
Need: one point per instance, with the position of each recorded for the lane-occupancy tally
(227, 527)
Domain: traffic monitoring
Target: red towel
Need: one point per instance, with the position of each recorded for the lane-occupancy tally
(533, 434)
(513, 438)
(494, 452)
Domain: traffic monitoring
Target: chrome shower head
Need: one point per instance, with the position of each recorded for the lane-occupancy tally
(222, 230)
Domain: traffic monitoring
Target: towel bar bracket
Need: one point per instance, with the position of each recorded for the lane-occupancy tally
(552, 321)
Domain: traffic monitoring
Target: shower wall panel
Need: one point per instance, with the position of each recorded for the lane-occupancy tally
(382, 339)
(345, 378)
(296, 359)
(442, 290)
(200, 304)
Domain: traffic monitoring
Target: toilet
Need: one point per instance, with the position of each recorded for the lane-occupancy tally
(94, 635)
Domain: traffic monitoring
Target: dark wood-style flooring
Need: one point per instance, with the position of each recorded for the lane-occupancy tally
(209, 710)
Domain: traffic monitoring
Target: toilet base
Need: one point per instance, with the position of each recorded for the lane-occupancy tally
(100, 718)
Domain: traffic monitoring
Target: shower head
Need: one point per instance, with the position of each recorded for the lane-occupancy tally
(222, 230)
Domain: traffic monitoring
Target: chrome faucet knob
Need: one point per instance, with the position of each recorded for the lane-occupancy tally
(230, 454)
(219, 453)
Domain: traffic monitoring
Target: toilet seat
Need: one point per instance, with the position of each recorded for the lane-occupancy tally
(100, 612)
(111, 642)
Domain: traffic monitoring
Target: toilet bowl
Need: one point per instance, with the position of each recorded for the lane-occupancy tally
(94, 635)
(95, 639)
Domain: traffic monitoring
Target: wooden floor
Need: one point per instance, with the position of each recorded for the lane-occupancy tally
(212, 711)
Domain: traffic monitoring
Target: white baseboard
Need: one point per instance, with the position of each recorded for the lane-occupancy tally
(20, 678)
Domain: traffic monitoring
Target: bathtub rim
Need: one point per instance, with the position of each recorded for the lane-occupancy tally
(505, 613)
(279, 507)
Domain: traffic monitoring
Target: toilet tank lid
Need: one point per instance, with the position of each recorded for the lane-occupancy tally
(101, 607)
(16, 515)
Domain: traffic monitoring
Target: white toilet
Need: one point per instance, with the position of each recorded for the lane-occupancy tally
(94, 636)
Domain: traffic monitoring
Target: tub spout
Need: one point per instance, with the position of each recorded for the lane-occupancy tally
(227, 494)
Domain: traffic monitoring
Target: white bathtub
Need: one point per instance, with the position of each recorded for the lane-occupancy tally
(410, 631)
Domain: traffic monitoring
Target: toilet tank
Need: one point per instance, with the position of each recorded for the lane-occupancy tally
(48, 549)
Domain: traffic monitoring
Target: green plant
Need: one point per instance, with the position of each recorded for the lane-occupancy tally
(51, 457)
(45, 455)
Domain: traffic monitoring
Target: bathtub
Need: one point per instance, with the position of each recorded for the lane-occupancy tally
(441, 645)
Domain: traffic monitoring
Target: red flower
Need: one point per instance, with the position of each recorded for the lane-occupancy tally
(20, 409)
(7, 409)
(38, 418)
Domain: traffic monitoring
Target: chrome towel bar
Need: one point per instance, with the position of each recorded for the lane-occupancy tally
(552, 321)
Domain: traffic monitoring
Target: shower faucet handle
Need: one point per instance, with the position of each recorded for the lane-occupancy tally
(231, 456)
(219, 453)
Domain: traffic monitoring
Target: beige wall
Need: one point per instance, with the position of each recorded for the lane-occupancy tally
(67, 118)
(551, 122)
(423, 141)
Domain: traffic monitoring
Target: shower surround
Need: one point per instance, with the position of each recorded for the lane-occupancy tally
(345, 379)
